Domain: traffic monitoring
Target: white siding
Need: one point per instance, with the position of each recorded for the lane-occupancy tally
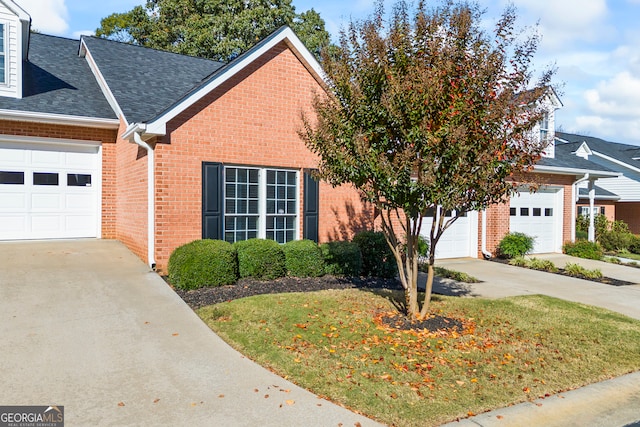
(626, 186)
(13, 53)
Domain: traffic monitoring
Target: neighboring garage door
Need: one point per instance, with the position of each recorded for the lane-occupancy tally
(459, 240)
(538, 215)
(49, 191)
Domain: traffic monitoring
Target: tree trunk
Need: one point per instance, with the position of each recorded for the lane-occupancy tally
(428, 290)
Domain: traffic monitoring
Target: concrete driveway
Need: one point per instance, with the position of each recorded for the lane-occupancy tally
(500, 280)
(86, 325)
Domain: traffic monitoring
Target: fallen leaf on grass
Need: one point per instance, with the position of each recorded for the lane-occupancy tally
(156, 400)
(120, 403)
(460, 382)
(266, 396)
(499, 417)
(290, 402)
(221, 395)
(175, 334)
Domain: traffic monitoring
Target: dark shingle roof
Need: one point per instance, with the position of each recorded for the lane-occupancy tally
(146, 81)
(600, 193)
(621, 152)
(565, 158)
(57, 81)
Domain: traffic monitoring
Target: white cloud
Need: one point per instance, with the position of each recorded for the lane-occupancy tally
(48, 16)
(618, 97)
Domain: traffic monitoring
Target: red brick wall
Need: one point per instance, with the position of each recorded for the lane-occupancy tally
(629, 212)
(106, 136)
(250, 120)
(131, 196)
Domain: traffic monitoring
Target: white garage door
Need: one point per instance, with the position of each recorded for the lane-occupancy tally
(459, 240)
(48, 191)
(538, 215)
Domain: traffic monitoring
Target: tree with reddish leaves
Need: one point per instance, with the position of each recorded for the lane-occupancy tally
(428, 113)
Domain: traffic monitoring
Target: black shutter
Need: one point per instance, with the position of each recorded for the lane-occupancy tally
(311, 207)
(212, 200)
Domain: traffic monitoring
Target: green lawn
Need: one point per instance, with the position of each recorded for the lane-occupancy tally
(511, 350)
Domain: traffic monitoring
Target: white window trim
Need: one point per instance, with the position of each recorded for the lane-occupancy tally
(5, 53)
(262, 199)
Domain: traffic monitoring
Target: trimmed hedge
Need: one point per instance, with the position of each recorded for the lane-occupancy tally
(515, 245)
(377, 258)
(583, 249)
(342, 258)
(303, 258)
(261, 259)
(203, 263)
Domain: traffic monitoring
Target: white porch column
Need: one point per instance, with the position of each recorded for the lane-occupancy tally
(592, 197)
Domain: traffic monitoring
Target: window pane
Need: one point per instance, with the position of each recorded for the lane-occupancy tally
(282, 177)
(280, 237)
(253, 207)
(537, 212)
(78, 180)
(524, 211)
(253, 191)
(45, 178)
(230, 191)
(291, 178)
(12, 178)
(243, 175)
(230, 174)
(291, 207)
(271, 177)
(230, 206)
(289, 236)
(242, 206)
(253, 175)
(512, 211)
(548, 212)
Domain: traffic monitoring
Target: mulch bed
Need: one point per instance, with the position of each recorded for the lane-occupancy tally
(605, 280)
(433, 323)
(248, 287)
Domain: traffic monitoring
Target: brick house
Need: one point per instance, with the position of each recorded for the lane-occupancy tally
(100, 139)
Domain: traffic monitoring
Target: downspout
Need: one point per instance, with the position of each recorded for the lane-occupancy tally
(575, 196)
(485, 253)
(151, 203)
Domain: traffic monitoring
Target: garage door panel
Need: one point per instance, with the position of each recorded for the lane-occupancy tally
(45, 202)
(13, 201)
(58, 196)
(80, 202)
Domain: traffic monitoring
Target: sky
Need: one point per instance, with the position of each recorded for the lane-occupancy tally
(594, 44)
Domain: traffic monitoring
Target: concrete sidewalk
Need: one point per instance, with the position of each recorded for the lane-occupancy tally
(613, 403)
(86, 325)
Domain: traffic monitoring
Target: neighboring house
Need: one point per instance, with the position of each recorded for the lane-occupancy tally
(100, 139)
(614, 156)
(548, 214)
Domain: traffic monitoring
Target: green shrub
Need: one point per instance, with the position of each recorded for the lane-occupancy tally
(582, 235)
(578, 271)
(203, 263)
(303, 258)
(458, 276)
(583, 249)
(514, 245)
(542, 265)
(261, 259)
(616, 238)
(377, 258)
(634, 246)
(342, 258)
(518, 261)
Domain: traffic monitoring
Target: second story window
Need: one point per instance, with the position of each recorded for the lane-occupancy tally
(544, 127)
(3, 55)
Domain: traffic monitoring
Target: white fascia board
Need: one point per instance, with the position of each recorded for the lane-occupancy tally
(554, 170)
(59, 119)
(18, 139)
(616, 161)
(104, 87)
(158, 126)
(597, 197)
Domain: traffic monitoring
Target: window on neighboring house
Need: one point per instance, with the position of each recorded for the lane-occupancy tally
(597, 210)
(260, 203)
(544, 127)
(3, 59)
